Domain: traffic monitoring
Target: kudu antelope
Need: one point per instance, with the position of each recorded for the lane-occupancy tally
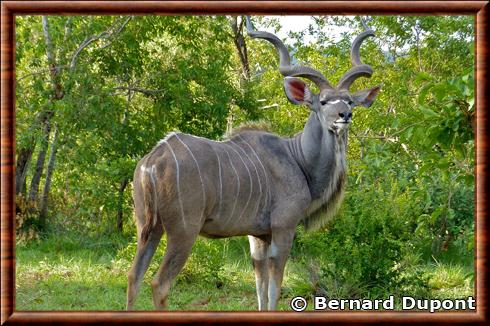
(256, 183)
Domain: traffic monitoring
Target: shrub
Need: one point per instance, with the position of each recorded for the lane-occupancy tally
(366, 249)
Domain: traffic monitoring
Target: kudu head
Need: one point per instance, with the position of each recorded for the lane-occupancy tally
(333, 105)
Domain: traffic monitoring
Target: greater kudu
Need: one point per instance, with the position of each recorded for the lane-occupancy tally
(256, 183)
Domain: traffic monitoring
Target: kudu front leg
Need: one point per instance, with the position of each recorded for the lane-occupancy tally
(278, 254)
(259, 251)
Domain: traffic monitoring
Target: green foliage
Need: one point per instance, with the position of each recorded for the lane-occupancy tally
(410, 195)
(205, 263)
(365, 250)
(184, 63)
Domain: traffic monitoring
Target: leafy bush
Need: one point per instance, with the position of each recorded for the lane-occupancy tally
(367, 247)
(205, 263)
(447, 218)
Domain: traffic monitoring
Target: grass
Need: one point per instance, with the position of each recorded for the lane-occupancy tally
(449, 280)
(60, 273)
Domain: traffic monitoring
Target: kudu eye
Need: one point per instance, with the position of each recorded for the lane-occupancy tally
(341, 114)
(323, 102)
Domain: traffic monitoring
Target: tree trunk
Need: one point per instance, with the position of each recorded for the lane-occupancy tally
(120, 204)
(47, 183)
(36, 178)
(53, 69)
(23, 158)
(124, 181)
(48, 114)
(24, 154)
(58, 94)
(241, 46)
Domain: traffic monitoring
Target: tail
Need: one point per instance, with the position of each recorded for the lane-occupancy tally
(149, 202)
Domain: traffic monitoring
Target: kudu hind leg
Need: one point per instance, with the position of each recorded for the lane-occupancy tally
(176, 254)
(259, 252)
(144, 253)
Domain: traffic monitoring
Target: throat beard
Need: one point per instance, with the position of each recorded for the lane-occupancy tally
(327, 199)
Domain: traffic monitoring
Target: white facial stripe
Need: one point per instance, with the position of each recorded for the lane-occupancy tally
(337, 101)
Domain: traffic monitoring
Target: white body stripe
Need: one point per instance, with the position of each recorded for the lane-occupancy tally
(178, 181)
(263, 168)
(154, 184)
(238, 184)
(164, 140)
(255, 167)
(220, 183)
(199, 172)
(256, 172)
(249, 176)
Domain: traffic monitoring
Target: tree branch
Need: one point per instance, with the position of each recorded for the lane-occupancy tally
(152, 92)
(116, 33)
(391, 138)
(273, 106)
(80, 48)
(109, 33)
(42, 71)
(406, 127)
(66, 36)
(240, 45)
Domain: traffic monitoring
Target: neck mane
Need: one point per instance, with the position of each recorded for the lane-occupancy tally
(320, 154)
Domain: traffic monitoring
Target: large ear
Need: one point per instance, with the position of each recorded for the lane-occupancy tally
(297, 91)
(366, 97)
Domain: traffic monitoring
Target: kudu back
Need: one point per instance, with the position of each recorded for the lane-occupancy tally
(256, 183)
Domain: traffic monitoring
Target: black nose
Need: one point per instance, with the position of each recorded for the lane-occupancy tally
(345, 115)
